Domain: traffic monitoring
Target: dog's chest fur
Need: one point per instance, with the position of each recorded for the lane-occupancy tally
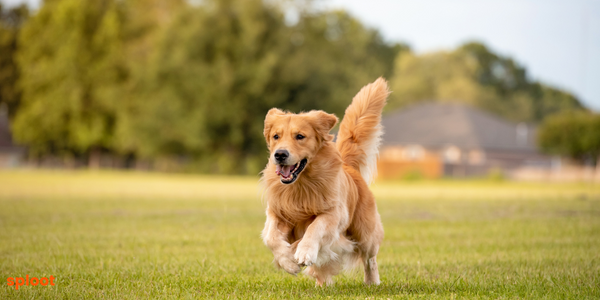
(316, 191)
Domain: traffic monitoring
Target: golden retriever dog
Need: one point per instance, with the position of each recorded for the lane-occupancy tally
(320, 211)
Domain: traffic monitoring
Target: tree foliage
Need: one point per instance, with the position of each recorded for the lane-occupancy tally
(474, 75)
(217, 68)
(176, 80)
(11, 21)
(72, 72)
(575, 135)
(184, 80)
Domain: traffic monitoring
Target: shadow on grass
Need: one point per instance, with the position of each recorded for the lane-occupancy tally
(303, 287)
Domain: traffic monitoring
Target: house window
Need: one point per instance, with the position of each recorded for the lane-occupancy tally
(451, 154)
(476, 157)
(522, 134)
(414, 152)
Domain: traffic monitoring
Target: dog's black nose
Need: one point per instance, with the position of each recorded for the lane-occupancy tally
(281, 155)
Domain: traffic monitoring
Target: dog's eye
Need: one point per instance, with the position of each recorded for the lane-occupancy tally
(276, 137)
(299, 137)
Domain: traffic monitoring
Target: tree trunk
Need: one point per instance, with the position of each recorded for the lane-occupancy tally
(597, 175)
(94, 159)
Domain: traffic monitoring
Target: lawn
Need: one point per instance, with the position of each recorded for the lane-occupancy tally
(134, 235)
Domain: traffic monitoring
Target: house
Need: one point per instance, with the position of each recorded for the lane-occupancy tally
(10, 154)
(455, 140)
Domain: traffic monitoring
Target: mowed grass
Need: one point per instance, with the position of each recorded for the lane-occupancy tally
(133, 235)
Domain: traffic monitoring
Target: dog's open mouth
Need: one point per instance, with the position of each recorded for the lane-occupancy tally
(290, 173)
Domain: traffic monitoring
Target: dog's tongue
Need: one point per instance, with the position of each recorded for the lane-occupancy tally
(284, 170)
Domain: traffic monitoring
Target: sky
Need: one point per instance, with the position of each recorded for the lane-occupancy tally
(557, 41)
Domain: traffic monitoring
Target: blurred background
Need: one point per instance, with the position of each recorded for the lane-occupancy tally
(480, 88)
(131, 140)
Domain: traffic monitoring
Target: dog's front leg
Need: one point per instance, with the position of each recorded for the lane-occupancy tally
(322, 232)
(275, 237)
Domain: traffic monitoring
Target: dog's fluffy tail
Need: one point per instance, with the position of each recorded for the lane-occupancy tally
(360, 131)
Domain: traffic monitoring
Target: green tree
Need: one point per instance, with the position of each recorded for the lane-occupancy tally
(157, 78)
(474, 75)
(572, 134)
(72, 67)
(11, 21)
(221, 65)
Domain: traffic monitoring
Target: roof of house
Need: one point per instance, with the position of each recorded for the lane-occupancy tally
(438, 125)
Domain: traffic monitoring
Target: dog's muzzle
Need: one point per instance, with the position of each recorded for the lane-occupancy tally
(289, 173)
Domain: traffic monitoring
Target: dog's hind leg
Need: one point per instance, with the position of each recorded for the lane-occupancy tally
(368, 247)
(371, 271)
(368, 253)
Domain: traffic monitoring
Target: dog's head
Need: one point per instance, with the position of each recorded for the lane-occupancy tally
(295, 139)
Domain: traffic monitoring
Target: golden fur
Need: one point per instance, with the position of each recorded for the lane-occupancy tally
(326, 218)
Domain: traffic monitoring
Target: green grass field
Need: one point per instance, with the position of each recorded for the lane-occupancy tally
(133, 235)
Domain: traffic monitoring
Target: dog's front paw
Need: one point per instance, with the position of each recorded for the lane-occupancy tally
(306, 254)
(288, 264)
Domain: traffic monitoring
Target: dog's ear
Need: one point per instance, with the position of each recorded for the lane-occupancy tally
(323, 122)
(273, 112)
